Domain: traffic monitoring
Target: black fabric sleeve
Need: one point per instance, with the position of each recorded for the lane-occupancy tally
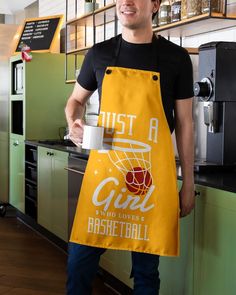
(184, 82)
(87, 78)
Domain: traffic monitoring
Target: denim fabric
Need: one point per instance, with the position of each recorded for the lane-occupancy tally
(145, 273)
(83, 264)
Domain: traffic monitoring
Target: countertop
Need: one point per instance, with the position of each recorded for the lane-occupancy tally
(61, 146)
(215, 178)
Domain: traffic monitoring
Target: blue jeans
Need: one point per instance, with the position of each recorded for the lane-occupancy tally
(83, 264)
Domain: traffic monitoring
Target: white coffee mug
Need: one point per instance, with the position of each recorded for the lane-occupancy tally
(93, 137)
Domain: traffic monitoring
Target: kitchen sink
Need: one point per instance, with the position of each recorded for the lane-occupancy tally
(63, 142)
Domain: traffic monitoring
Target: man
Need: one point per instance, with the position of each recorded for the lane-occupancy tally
(142, 80)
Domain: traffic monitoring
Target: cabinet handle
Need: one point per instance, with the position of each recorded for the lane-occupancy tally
(51, 154)
(196, 193)
(16, 143)
(73, 170)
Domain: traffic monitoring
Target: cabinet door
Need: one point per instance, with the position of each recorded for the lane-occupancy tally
(17, 175)
(176, 273)
(4, 146)
(44, 187)
(59, 195)
(215, 243)
(118, 263)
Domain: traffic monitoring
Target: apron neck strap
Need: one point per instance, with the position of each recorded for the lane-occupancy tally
(154, 55)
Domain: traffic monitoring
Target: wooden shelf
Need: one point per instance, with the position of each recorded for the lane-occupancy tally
(85, 49)
(200, 24)
(197, 25)
(81, 50)
(107, 12)
(80, 20)
(189, 27)
(192, 50)
(104, 8)
(105, 16)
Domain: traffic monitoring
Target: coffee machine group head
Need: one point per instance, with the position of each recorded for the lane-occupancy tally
(217, 89)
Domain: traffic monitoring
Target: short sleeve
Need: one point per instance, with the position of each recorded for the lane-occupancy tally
(184, 81)
(87, 77)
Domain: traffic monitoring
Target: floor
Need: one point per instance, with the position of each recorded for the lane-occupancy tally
(30, 264)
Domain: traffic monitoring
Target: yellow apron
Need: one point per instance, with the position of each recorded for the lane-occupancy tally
(129, 197)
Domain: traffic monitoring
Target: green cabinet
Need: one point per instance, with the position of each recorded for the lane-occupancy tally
(207, 261)
(4, 144)
(53, 191)
(215, 242)
(176, 273)
(16, 167)
(118, 263)
(38, 95)
(4, 128)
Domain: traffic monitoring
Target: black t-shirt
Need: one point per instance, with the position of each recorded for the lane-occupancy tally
(171, 60)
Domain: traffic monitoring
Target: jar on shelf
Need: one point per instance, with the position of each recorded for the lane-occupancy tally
(155, 21)
(216, 6)
(183, 9)
(164, 16)
(176, 11)
(193, 8)
(90, 6)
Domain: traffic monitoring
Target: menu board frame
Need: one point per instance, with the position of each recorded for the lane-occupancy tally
(42, 22)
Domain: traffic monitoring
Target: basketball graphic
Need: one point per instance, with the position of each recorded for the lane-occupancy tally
(138, 181)
(133, 159)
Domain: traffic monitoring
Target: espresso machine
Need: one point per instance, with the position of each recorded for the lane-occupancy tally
(217, 90)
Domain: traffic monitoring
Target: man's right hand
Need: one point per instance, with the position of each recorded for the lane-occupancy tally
(75, 108)
(76, 131)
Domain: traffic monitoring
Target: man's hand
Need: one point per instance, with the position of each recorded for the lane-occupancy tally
(76, 132)
(187, 200)
(75, 108)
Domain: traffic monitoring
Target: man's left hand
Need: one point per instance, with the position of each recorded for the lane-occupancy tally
(187, 200)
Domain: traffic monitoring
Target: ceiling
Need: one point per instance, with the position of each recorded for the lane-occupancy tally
(13, 6)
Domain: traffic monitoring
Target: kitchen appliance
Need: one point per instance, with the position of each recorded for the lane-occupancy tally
(217, 89)
(76, 169)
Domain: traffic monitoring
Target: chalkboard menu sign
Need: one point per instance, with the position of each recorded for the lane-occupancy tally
(39, 33)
